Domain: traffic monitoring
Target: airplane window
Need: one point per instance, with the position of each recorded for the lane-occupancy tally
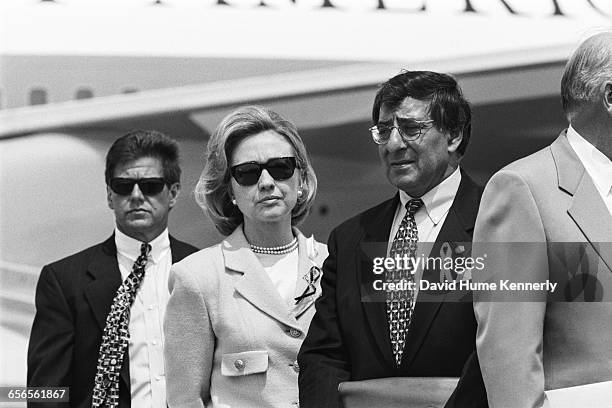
(38, 96)
(83, 93)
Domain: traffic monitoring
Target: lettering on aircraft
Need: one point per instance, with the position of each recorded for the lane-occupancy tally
(418, 6)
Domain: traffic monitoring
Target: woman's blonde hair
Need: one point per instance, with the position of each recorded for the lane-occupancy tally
(213, 191)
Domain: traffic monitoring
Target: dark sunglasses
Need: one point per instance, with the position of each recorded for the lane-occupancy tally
(149, 186)
(280, 168)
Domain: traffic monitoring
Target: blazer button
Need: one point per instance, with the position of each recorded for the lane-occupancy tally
(296, 366)
(239, 364)
(295, 333)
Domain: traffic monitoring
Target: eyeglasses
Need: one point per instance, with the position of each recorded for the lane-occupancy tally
(280, 168)
(148, 186)
(409, 130)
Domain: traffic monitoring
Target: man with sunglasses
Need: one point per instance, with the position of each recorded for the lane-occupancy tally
(422, 127)
(99, 313)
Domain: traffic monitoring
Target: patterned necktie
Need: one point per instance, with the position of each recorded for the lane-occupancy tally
(116, 336)
(400, 303)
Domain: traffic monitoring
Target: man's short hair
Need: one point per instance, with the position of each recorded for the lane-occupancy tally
(213, 192)
(145, 143)
(448, 108)
(587, 69)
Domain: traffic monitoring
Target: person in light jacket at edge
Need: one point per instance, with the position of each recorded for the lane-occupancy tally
(548, 218)
(239, 311)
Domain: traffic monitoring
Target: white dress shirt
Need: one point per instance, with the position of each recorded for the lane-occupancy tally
(146, 345)
(597, 165)
(430, 217)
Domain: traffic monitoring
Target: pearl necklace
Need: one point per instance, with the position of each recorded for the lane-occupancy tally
(279, 250)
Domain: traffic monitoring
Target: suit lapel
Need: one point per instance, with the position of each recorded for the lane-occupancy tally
(308, 271)
(253, 282)
(106, 278)
(457, 228)
(425, 311)
(374, 244)
(587, 209)
(104, 270)
(585, 205)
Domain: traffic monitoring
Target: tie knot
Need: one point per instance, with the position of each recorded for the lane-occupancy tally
(413, 206)
(145, 249)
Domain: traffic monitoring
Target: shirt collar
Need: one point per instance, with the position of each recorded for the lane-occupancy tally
(439, 199)
(597, 165)
(130, 247)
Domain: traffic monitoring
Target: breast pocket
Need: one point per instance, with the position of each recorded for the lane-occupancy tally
(245, 363)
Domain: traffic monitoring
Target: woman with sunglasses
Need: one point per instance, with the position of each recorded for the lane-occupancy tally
(239, 311)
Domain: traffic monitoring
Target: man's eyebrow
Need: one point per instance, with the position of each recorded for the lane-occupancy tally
(385, 122)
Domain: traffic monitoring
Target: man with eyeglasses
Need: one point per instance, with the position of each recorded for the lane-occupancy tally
(422, 126)
(99, 313)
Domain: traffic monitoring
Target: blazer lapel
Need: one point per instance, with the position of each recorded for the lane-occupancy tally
(104, 270)
(585, 205)
(425, 311)
(309, 274)
(456, 230)
(106, 278)
(374, 244)
(587, 209)
(253, 283)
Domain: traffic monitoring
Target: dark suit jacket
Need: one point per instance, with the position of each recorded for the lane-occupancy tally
(348, 338)
(73, 298)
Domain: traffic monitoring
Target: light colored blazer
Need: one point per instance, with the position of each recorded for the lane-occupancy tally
(526, 348)
(230, 339)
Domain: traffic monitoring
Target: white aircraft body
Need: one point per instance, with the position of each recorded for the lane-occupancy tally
(76, 74)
